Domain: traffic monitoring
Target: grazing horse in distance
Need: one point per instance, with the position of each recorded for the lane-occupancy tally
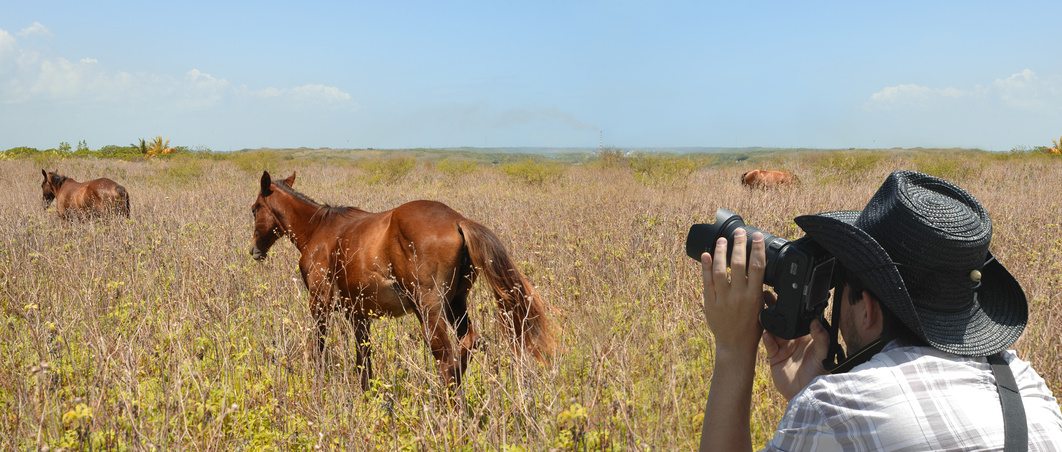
(420, 257)
(96, 197)
(758, 178)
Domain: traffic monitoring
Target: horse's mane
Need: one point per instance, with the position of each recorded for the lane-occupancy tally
(328, 208)
(57, 179)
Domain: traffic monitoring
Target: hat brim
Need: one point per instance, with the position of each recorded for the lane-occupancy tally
(990, 324)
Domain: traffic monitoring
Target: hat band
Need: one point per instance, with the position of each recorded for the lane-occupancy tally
(973, 275)
(946, 291)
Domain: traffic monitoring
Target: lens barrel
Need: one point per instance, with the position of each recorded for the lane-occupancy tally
(702, 237)
(799, 271)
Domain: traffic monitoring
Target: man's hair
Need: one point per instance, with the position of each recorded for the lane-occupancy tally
(891, 327)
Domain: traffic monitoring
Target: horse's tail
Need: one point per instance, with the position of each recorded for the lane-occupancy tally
(522, 309)
(123, 207)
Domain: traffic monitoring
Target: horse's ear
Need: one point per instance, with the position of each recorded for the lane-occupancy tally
(45, 173)
(55, 179)
(265, 183)
(290, 181)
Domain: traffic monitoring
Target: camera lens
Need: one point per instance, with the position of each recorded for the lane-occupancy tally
(702, 237)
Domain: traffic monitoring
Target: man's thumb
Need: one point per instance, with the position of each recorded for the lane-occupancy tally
(769, 343)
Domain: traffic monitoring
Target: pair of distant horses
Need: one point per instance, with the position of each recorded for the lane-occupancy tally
(421, 257)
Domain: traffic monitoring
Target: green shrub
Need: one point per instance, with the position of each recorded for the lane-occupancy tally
(19, 152)
(48, 158)
(610, 158)
(385, 170)
(846, 166)
(183, 171)
(254, 162)
(111, 151)
(948, 166)
(533, 171)
(456, 167)
(661, 169)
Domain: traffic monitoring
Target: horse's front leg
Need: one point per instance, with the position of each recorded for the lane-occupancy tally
(319, 283)
(364, 348)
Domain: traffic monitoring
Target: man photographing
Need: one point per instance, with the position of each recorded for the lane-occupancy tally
(926, 313)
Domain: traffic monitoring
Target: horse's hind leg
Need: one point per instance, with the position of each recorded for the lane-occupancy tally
(437, 334)
(457, 315)
(123, 200)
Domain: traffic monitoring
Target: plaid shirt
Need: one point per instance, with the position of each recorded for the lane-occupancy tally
(916, 399)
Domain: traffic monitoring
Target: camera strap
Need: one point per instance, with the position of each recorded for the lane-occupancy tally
(1015, 428)
(836, 362)
(835, 355)
(860, 357)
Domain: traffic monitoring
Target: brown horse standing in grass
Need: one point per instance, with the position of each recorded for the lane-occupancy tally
(758, 178)
(420, 257)
(96, 197)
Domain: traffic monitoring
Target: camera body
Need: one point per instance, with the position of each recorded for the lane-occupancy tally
(800, 272)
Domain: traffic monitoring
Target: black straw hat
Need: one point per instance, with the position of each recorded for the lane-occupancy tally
(921, 247)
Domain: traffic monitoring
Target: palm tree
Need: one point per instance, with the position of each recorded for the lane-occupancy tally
(142, 146)
(158, 146)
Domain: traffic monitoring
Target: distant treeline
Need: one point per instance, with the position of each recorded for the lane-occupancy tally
(158, 147)
(153, 148)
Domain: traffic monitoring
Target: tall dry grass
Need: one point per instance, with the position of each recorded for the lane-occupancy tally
(160, 331)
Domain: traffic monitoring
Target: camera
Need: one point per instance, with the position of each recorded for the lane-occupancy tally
(800, 271)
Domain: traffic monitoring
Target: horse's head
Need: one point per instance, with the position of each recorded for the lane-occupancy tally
(267, 228)
(51, 184)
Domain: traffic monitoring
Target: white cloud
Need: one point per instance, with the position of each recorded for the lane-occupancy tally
(313, 93)
(267, 92)
(319, 93)
(28, 75)
(893, 94)
(1027, 90)
(35, 29)
(58, 78)
(1023, 90)
(911, 93)
(7, 44)
(199, 89)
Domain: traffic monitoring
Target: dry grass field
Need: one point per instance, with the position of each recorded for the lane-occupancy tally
(161, 332)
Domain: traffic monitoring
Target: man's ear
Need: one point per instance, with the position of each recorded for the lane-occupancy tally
(290, 181)
(266, 181)
(873, 317)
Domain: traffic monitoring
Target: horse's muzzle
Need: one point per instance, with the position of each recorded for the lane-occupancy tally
(257, 254)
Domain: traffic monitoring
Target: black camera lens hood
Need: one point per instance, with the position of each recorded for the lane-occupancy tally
(700, 239)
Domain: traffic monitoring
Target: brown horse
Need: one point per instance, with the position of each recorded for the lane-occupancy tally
(420, 257)
(767, 178)
(96, 197)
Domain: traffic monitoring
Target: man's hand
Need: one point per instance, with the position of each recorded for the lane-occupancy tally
(732, 306)
(795, 362)
(732, 303)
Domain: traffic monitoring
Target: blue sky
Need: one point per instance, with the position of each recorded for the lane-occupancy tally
(228, 75)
